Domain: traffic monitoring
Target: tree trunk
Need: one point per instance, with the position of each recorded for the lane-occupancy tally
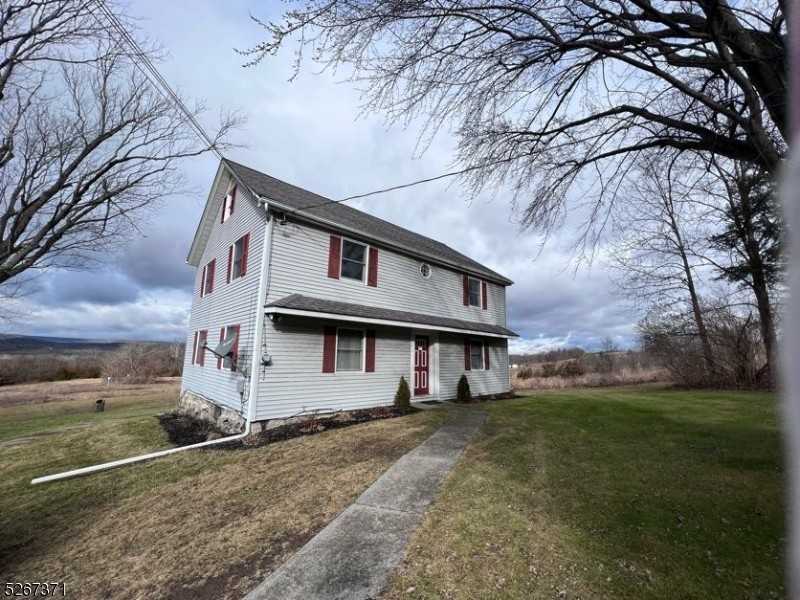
(702, 332)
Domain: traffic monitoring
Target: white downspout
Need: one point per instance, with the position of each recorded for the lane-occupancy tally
(263, 284)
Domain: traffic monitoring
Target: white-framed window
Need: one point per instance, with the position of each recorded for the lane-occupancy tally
(476, 355)
(474, 291)
(239, 263)
(349, 349)
(354, 260)
(229, 202)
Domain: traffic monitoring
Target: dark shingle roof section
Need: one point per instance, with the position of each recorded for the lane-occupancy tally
(318, 305)
(313, 205)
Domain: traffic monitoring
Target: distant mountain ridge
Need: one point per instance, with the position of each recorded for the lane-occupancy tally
(12, 342)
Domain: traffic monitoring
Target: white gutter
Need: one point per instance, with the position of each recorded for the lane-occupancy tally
(263, 284)
(277, 310)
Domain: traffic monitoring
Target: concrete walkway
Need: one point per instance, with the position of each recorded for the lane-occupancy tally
(354, 555)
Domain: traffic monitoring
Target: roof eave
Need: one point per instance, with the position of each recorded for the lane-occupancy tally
(388, 322)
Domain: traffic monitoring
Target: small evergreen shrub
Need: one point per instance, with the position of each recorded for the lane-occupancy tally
(463, 393)
(402, 398)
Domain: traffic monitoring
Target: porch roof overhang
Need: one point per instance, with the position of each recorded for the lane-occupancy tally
(306, 306)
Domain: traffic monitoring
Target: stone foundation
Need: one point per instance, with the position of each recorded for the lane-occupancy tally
(226, 420)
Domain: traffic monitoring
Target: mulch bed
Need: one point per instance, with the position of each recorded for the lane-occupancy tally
(184, 430)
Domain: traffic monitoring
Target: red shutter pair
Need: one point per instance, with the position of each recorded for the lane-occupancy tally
(335, 261)
(329, 350)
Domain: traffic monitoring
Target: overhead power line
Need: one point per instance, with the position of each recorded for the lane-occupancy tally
(146, 67)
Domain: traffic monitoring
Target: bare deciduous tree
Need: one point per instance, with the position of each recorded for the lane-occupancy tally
(542, 91)
(86, 143)
(655, 234)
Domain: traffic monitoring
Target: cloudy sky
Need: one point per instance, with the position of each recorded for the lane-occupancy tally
(311, 132)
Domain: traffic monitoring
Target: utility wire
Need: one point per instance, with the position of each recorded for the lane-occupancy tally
(146, 67)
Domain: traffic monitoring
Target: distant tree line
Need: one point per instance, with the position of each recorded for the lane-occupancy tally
(126, 363)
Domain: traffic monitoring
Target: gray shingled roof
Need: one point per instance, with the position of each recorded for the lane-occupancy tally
(316, 206)
(318, 305)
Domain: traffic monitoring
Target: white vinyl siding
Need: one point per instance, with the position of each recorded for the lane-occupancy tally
(294, 383)
(300, 266)
(230, 303)
(494, 380)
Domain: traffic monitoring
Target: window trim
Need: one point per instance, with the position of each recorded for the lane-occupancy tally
(235, 358)
(470, 279)
(242, 259)
(362, 368)
(365, 270)
(473, 343)
(229, 193)
(202, 341)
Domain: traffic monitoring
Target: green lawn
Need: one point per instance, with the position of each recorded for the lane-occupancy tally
(195, 525)
(624, 493)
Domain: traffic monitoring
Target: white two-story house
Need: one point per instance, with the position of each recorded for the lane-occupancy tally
(305, 305)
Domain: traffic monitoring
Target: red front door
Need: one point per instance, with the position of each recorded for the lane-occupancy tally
(421, 370)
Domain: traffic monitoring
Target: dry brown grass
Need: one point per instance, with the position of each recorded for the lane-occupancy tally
(81, 389)
(619, 377)
(200, 524)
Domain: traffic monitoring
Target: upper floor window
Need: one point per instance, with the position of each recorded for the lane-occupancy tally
(354, 259)
(207, 280)
(349, 350)
(237, 257)
(228, 202)
(474, 292)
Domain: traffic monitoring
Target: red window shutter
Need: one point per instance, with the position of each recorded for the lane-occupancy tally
(369, 363)
(230, 264)
(245, 250)
(466, 290)
(372, 274)
(466, 355)
(334, 257)
(329, 350)
(194, 349)
(233, 200)
(224, 208)
(203, 283)
(221, 338)
(486, 364)
(235, 348)
(484, 295)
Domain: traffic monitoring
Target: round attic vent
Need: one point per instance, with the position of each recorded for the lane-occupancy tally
(425, 270)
